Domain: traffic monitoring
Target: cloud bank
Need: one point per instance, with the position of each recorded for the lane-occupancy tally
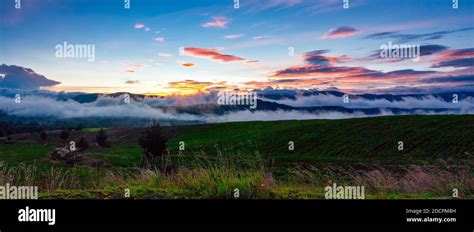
(426, 102)
(166, 108)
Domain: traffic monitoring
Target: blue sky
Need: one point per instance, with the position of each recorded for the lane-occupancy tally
(137, 49)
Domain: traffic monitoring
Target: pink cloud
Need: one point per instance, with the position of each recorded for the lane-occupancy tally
(258, 37)
(280, 3)
(261, 5)
(218, 21)
(188, 65)
(340, 32)
(163, 54)
(160, 39)
(139, 25)
(233, 36)
(131, 68)
(212, 54)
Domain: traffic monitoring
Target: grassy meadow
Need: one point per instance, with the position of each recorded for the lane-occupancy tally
(210, 161)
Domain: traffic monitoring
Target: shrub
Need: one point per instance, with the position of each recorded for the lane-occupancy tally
(64, 134)
(79, 127)
(101, 138)
(82, 144)
(153, 141)
(43, 135)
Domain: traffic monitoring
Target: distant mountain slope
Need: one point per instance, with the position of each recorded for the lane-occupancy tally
(293, 95)
(273, 106)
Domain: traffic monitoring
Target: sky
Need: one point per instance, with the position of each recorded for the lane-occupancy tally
(187, 46)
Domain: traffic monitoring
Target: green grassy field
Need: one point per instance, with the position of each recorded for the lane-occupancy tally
(255, 158)
(374, 140)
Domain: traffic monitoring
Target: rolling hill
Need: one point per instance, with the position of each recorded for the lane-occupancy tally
(364, 139)
(254, 157)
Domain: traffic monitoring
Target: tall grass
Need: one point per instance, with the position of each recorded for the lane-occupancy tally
(418, 179)
(214, 183)
(199, 175)
(46, 178)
